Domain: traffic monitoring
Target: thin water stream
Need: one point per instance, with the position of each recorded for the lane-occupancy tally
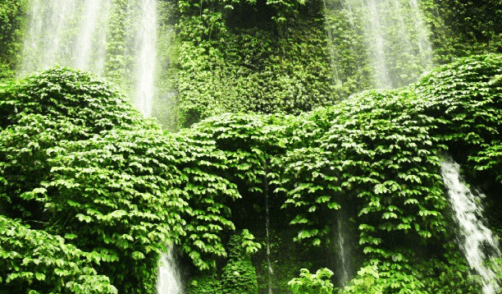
(394, 35)
(146, 56)
(168, 280)
(476, 240)
(267, 227)
(375, 35)
(343, 253)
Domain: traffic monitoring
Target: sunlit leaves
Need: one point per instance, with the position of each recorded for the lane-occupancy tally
(119, 188)
(87, 167)
(308, 283)
(29, 255)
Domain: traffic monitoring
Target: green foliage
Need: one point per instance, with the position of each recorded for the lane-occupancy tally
(382, 158)
(454, 274)
(465, 98)
(12, 14)
(78, 162)
(204, 284)
(366, 281)
(376, 156)
(239, 275)
(463, 28)
(90, 191)
(286, 259)
(232, 59)
(307, 283)
(55, 171)
(33, 261)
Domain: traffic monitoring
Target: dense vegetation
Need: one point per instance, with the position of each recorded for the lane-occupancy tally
(266, 56)
(277, 56)
(91, 192)
(12, 14)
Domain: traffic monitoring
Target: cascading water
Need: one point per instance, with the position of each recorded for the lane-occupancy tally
(92, 13)
(168, 280)
(343, 253)
(375, 26)
(146, 56)
(66, 33)
(343, 258)
(393, 34)
(270, 269)
(77, 34)
(424, 46)
(397, 41)
(475, 237)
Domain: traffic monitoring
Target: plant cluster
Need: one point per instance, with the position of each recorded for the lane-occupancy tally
(12, 16)
(239, 275)
(83, 174)
(241, 56)
(307, 283)
(462, 28)
(78, 163)
(291, 56)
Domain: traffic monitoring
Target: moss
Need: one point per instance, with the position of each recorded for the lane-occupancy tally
(238, 275)
(204, 284)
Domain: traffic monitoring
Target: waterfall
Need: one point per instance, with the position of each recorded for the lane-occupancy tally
(91, 43)
(66, 33)
(146, 56)
(396, 40)
(270, 270)
(424, 46)
(77, 34)
(343, 254)
(375, 26)
(45, 43)
(393, 33)
(475, 237)
(168, 280)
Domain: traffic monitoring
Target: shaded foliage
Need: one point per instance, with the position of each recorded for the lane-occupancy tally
(12, 17)
(275, 63)
(463, 28)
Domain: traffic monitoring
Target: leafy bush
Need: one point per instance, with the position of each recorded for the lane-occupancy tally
(33, 261)
(307, 283)
(204, 284)
(366, 282)
(239, 274)
(12, 15)
(78, 162)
